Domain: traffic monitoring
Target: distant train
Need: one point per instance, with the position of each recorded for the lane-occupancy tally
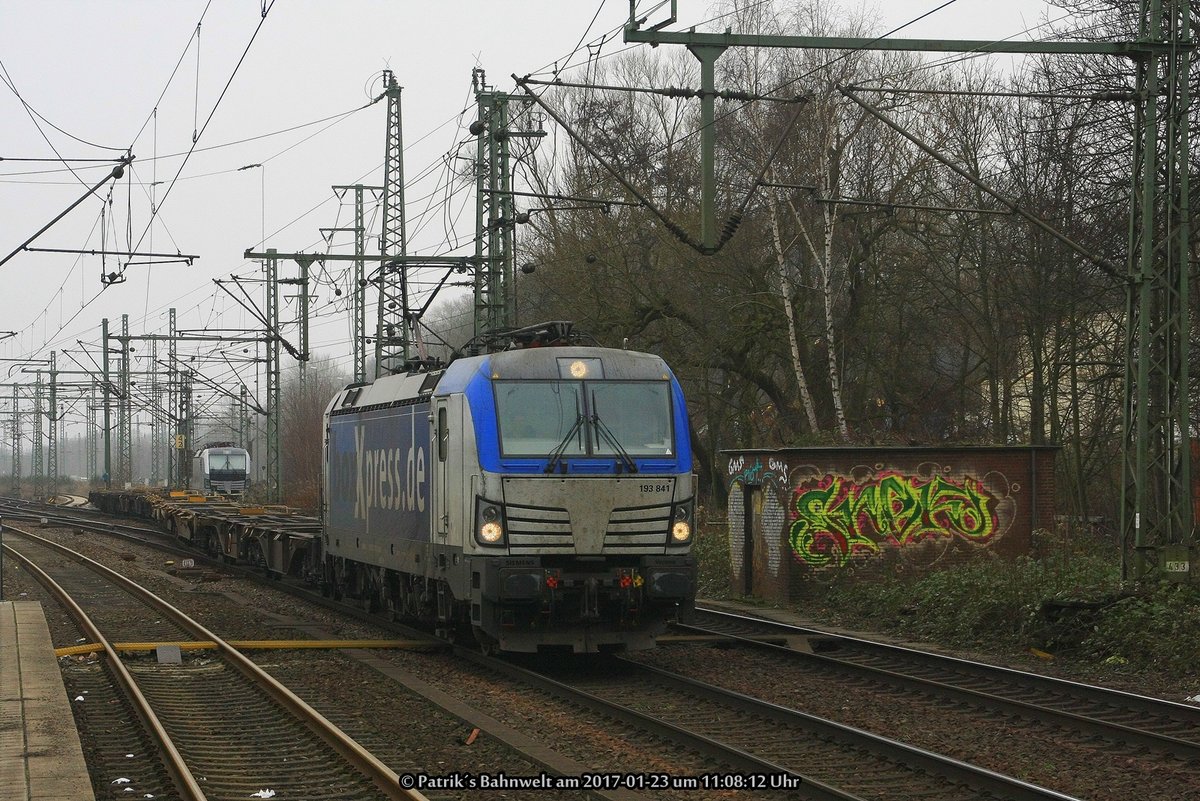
(222, 468)
(540, 496)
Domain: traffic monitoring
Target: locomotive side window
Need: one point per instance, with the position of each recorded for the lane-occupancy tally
(443, 434)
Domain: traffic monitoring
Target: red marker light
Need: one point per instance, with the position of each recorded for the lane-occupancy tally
(552, 582)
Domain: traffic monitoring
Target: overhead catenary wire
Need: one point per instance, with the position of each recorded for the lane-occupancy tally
(1101, 262)
(212, 112)
(451, 193)
(154, 211)
(211, 148)
(162, 308)
(116, 172)
(62, 159)
(34, 118)
(7, 80)
(198, 149)
(735, 218)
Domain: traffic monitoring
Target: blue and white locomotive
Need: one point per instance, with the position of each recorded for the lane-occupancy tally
(542, 496)
(220, 467)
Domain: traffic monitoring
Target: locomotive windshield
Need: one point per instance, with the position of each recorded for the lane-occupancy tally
(227, 461)
(535, 418)
(637, 413)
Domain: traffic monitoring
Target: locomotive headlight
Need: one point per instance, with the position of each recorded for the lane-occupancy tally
(681, 528)
(491, 532)
(489, 523)
(580, 369)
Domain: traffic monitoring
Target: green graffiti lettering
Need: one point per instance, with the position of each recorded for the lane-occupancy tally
(835, 518)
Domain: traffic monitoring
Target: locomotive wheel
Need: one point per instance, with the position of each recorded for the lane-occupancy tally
(331, 582)
(488, 645)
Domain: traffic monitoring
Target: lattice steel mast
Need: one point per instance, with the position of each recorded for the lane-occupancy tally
(16, 442)
(52, 419)
(501, 119)
(1157, 513)
(393, 336)
(358, 288)
(39, 474)
(124, 412)
(91, 438)
(493, 208)
(271, 457)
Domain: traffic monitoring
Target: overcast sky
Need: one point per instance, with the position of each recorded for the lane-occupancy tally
(96, 70)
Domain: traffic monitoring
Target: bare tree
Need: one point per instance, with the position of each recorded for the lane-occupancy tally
(301, 431)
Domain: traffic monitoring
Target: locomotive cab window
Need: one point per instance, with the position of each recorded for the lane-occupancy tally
(536, 417)
(584, 418)
(634, 414)
(228, 461)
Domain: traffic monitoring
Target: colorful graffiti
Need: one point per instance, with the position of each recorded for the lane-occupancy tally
(755, 473)
(836, 517)
(772, 478)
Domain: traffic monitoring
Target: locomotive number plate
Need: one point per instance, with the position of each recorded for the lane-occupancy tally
(656, 487)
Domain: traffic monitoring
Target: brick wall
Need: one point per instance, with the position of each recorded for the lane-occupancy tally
(867, 513)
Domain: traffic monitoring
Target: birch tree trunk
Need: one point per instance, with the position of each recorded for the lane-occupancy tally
(835, 379)
(785, 293)
(823, 256)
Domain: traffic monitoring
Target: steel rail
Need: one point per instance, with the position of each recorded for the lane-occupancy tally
(1118, 732)
(536, 754)
(998, 784)
(185, 782)
(1088, 692)
(978, 778)
(380, 774)
(741, 760)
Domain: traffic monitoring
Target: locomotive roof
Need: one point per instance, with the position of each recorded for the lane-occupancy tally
(384, 390)
(543, 364)
(528, 363)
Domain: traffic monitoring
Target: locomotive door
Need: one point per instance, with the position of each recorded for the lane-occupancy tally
(441, 509)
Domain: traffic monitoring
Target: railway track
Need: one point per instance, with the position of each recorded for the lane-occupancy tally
(1117, 717)
(770, 747)
(214, 727)
(520, 744)
(697, 718)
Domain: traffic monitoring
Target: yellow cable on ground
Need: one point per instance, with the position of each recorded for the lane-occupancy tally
(201, 645)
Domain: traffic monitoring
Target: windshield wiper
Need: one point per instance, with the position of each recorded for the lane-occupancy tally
(626, 459)
(556, 455)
